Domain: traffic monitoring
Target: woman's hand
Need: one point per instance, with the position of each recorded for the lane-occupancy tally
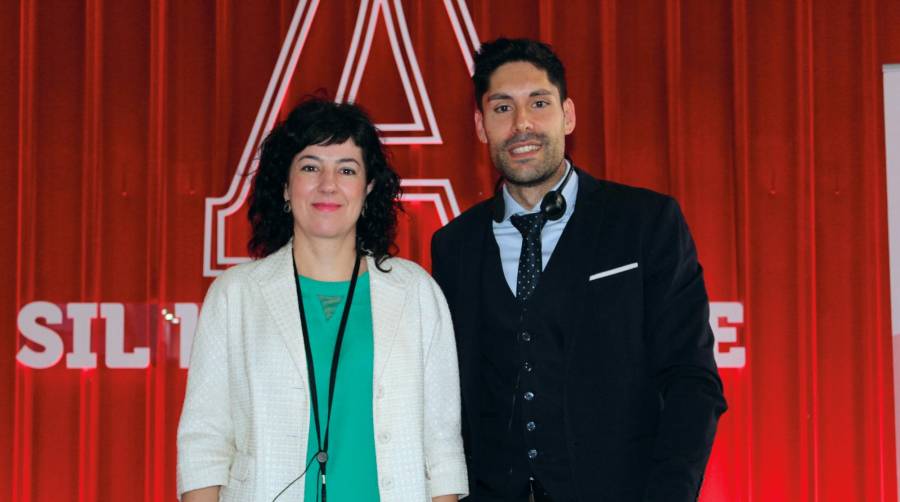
(208, 494)
(445, 498)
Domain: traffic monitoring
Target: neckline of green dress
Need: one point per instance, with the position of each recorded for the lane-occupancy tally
(315, 283)
(330, 294)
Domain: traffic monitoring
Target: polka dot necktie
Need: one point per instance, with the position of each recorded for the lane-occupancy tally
(529, 225)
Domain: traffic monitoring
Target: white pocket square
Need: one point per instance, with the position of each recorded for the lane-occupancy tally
(612, 271)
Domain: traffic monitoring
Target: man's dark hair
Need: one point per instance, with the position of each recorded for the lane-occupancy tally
(320, 122)
(496, 53)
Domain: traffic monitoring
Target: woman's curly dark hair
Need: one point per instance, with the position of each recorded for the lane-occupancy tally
(319, 122)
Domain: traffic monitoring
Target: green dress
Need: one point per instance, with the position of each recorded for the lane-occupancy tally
(352, 474)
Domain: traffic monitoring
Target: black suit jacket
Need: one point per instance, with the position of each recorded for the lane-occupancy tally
(642, 394)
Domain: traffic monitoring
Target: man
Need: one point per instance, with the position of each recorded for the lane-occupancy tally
(581, 316)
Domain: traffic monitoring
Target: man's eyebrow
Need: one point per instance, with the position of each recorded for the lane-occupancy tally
(498, 96)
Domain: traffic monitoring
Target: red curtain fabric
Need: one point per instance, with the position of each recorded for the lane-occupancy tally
(763, 118)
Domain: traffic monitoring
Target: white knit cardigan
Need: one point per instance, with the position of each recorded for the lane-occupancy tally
(245, 420)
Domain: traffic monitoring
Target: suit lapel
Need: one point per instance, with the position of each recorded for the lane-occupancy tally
(589, 245)
(388, 299)
(471, 264)
(468, 299)
(583, 230)
(275, 276)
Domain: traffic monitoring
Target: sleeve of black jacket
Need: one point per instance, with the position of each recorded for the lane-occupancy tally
(440, 262)
(681, 351)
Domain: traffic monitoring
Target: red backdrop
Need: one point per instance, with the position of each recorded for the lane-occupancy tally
(764, 118)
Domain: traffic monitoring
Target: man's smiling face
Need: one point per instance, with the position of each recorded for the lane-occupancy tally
(524, 123)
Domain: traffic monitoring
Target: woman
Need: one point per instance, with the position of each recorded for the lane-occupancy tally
(303, 400)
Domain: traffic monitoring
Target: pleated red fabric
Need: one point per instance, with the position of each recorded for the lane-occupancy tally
(130, 126)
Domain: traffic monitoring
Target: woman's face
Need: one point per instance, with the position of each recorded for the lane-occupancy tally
(326, 188)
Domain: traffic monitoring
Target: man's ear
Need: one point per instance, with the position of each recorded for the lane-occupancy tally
(569, 115)
(479, 126)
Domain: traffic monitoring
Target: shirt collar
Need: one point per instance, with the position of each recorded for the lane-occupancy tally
(511, 207)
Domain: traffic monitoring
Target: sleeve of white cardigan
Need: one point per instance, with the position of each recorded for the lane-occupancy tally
(205, 437)
(445, 464)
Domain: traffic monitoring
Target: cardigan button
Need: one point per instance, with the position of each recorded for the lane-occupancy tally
(387, 483)
(379, 392)
(384, 437)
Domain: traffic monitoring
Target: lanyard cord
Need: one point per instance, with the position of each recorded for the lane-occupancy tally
(322, 455)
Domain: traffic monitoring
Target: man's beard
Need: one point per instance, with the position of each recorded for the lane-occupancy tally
(543, 171)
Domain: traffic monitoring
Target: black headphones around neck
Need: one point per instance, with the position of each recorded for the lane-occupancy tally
(553, 205)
